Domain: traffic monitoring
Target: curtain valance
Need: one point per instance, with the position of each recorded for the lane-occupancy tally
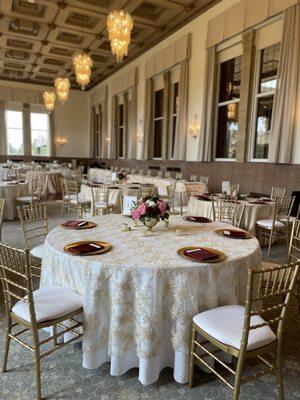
(174, 54)
(30, 96)
(124, 82)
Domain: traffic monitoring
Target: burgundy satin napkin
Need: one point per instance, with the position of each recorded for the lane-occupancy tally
(75, 224)
(198, 219)
(235, 234)
(85, 248)
(201, 254)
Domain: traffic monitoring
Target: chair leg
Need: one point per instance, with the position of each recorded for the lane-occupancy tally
(6, 343)
(37, 362)
(280, 382)
(192, 363)
(238, 377)
(270, 243)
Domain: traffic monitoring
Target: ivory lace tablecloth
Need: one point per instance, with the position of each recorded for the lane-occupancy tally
(139, 298)
(253, 212)
(10, 192)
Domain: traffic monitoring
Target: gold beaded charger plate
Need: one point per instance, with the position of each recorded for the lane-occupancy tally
(233, 233)
(88, 225)
(87, 248)
(220, 256)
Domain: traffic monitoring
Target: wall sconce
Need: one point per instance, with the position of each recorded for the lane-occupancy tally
(140, 137)
(107, 139)
(194, 128)
(61, 140)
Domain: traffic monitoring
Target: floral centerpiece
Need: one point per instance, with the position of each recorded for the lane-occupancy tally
(149, 210)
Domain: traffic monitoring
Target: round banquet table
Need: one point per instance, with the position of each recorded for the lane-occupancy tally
(253, 212)
(10, 191)
(140, 297)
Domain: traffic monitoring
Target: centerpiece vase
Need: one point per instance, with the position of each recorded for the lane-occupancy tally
(150, 222)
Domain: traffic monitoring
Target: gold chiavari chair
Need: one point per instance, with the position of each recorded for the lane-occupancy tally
(146, 189)
(277, 192)
(167, 174)
(47, 307)
(149, 172)
(34, 225)
(171, 197)
(65, 197)
(141, 172)
(294, 254)
(100, 200)
(21, 175)
(178, 175)
(278, 227)
(159, 174)
(37, 190)
(193, 178)
(2, 205)
(204, 179)
(234, 188)
(246, 332)
(75, 202)
(229, 211)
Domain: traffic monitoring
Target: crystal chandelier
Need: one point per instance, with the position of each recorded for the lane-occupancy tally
(49, 100)
(83, 64)
(62, 89)
(119, 26)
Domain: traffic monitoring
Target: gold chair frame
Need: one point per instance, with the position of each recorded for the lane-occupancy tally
(282, 286)
(100, 193)
(225, 210)
(2, 206)
(74, 204)
(204, 179)
(17, 275)
(277, 192)
(34, 222)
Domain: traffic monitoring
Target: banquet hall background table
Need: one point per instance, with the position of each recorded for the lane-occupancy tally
(140, 297)
(253, 212)
(10, 191)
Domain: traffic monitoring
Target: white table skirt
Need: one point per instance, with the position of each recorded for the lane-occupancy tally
(10, 192)
(139, 298)
(253, 212)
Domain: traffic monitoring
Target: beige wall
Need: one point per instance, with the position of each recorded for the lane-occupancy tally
(70, 120)
(198, 29)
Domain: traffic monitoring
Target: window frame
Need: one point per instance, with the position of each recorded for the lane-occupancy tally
(13, 106)
(223, 56)
(49, 132)
(256, 97)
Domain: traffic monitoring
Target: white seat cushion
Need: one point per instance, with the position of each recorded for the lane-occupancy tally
(103, 204)
(70, 196)
(27, 199)
(225, 324)
(37, 251)
(50, 303)
(267, 223)
(80, 201)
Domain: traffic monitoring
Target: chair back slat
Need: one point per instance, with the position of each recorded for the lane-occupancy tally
(2, 206)
(34, 222)
(294, 245)
(225, 210)
(277, 192)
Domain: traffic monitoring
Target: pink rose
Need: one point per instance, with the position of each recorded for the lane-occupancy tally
(136, 214)
(162, 206)
(143, 209)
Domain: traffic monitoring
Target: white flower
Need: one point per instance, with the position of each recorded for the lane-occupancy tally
(150, 203)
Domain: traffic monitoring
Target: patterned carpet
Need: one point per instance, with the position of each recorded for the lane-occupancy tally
(64, 378)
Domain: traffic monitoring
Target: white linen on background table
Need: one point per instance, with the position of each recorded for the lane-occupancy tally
(10, 192)
(139, 298)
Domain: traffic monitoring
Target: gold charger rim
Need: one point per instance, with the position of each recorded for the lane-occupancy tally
(220, 231)
(221, 255)
(105, 247)
(90, 225)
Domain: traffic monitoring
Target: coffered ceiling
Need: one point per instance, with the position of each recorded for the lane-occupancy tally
(38, 38)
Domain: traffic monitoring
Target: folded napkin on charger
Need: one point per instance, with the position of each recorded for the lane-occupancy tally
(236, 234)
(198, 219)
(75, 224)
(85, 248)
(201, 254)
(258, 202)
(266, 199)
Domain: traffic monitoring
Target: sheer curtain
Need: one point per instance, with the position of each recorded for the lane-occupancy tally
(208, 108)
(3, 150)
(131, 150)
(286, 96)
(113, 127)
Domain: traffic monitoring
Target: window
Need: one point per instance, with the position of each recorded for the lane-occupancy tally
(228, 108)
(173, 117)
(97, 130)
(265, 90)
(121, 131)
(158, 123)
(14, 132)
(40, 134)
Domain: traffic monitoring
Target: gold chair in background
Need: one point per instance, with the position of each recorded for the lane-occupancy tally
(228, 211)
(75, 202)
(34, 225)
(246, 332)
(277, 192)
(47, 307)
(100, 200)
(204, 179)
(146, 189)
(37, 190)
(277, 227)
(193, 178)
